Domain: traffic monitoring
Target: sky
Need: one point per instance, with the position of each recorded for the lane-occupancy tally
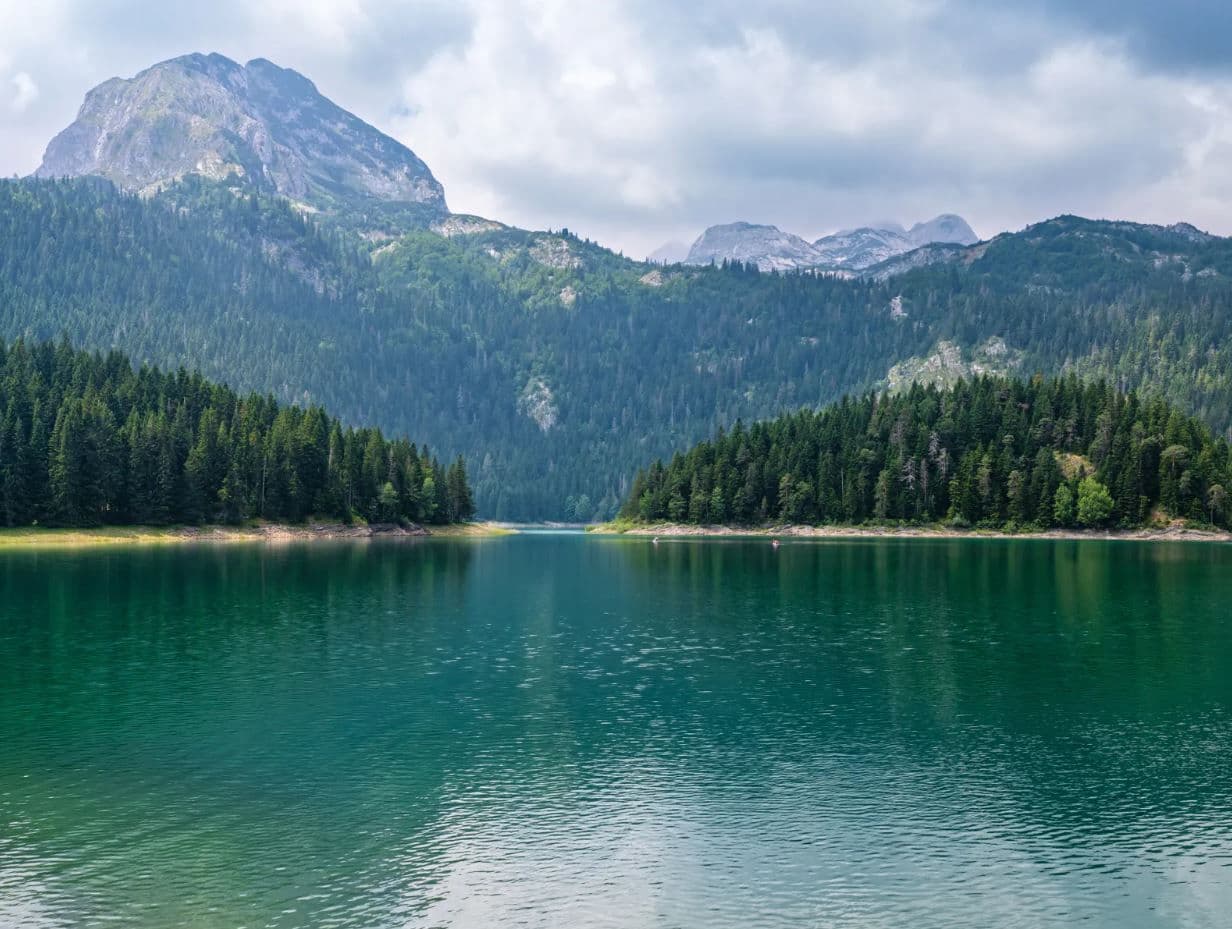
(637, 122)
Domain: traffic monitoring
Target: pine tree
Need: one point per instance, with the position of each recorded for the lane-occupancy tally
(461, 507)
(1064, 512)
(982, 453)
(85, 439)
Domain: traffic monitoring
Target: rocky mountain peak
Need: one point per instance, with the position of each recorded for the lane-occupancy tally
(269, 126)
(768, 246)
(947, 228)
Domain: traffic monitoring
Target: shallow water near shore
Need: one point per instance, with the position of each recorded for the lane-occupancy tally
(552, 730)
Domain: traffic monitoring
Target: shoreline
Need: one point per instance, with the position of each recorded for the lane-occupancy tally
(269, 533)
(1174, 533)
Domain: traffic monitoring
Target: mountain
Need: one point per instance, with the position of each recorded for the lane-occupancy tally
(209, 116)
(557, 367)
(857, 249)
(669, 253)
(946, 228)
(849, 250)
(766, 246)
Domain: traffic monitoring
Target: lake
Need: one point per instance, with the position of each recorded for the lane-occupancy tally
(551, 730)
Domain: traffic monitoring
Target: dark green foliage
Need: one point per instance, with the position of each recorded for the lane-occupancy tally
(990, 452)
(459, 504)
(85, 440)
(450, 338)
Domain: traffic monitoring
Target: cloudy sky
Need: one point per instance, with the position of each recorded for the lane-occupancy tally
(641, 121)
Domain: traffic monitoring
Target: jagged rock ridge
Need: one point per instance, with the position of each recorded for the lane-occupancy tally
(849, 250)
(210, 116)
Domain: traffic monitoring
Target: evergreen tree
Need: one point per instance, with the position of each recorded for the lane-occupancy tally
(143, 447)
(461, 507)
(987, 452)
(1064, 511)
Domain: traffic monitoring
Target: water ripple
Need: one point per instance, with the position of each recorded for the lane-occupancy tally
(557, 731)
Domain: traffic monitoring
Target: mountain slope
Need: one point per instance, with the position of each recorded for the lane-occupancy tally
(557, 367)
(857, 249)
(207, 115)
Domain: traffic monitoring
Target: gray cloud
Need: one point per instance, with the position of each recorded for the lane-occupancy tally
(1178, 35)
(635, 122)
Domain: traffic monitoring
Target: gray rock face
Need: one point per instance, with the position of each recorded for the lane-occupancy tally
(933, 253)
(849, 250)
(857, 249)
(768, 246)
(946, 228)
(208, 115)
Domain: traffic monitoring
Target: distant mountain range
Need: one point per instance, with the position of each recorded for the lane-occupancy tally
(282, 245)
(771, 249)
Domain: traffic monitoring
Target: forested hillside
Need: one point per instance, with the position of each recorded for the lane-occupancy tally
(992, 452)
(557, 367)
(87, 440)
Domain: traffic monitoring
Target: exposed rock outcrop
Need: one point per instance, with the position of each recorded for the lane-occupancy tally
(265, 125)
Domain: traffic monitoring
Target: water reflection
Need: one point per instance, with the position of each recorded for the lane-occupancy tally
(553, 730)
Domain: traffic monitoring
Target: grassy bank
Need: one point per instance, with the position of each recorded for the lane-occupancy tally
(1172, 532)
(472, 531)
(35, 536)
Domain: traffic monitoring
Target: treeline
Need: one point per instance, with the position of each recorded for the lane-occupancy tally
(990, 452)
(87, 440)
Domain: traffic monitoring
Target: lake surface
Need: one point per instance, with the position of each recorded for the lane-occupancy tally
(560, 731)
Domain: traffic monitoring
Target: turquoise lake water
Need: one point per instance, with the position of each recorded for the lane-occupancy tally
(551, 730)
